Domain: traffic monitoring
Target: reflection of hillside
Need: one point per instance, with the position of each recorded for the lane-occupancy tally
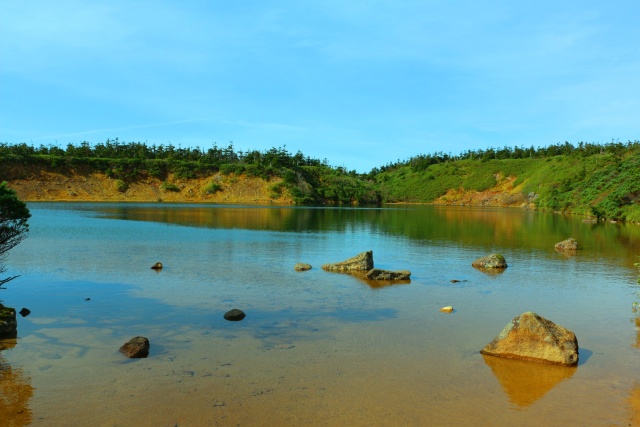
(246, 217)
(525, 382)
(460, 225)
(15, 393)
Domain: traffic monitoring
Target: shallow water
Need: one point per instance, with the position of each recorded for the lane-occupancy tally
(316, 348)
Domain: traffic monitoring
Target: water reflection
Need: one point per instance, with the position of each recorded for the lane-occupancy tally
(484, 227)
(491, 271)
(15, 392)
(526, 382)
(373, 284)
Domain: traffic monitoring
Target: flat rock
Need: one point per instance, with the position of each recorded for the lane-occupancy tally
(490, 261)
(378, 274)
(234, 315)
(301, 266)
(569, 244)
(136, 348)
(532, 337)
(361, 262)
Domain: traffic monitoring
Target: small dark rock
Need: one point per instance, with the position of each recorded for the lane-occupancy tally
(136, 348)
(87, 299)
(455, 281)
(234, 315)
(24, 312)
(157, 266)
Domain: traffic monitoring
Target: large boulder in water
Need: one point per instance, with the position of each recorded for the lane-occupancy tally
(490, 261)
(378, 274)
(534, 338)
(8, 322)
(569, 244)
(136, 348)
(361, 262)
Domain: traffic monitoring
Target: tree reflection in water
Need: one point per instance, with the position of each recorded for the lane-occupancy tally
(15, 392)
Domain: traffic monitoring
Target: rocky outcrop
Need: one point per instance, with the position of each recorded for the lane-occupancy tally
(136, 348)
(532, 337)
(490, 261)
(24, 312)
(8, 322)
(569, 244)
(378, 274)
(301, 266)
(235, 315)
(360, 262)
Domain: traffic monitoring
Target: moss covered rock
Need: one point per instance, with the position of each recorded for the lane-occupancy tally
(8, 322)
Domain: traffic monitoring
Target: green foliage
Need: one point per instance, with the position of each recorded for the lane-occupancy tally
(157, 168)
(592, 179)
(277, 189)
(121, 186)
(167, 186)
(14, 216)
(212, 188)
(14, 226)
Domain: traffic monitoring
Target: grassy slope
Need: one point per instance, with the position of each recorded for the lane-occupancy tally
(602, 185)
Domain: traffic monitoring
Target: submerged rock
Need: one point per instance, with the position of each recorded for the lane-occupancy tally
(569, 244)
(490, 261)
(136, 348)
(8, 322)
(301, 266)
(361, 262)
(378, 274)
(532, 337)
(234, 315)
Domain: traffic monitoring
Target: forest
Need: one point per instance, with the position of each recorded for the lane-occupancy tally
(599, 180)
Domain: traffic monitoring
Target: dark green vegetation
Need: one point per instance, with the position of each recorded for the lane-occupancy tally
(13, 224)
(602, 180)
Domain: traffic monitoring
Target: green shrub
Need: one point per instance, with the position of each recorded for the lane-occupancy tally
(167, 186)
(277, 189)
(212, 188)
(121, 186)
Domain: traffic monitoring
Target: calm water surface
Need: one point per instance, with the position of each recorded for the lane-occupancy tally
(316, 348)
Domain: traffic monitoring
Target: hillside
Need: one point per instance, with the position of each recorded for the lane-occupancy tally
(600, 181)
(604, 184)
(40, 184)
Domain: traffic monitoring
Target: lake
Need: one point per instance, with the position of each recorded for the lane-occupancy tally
(316, 348)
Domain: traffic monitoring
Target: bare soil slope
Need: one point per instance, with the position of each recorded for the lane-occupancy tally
(33, 184)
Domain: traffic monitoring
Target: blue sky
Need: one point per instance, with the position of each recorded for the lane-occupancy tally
(359, 83)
